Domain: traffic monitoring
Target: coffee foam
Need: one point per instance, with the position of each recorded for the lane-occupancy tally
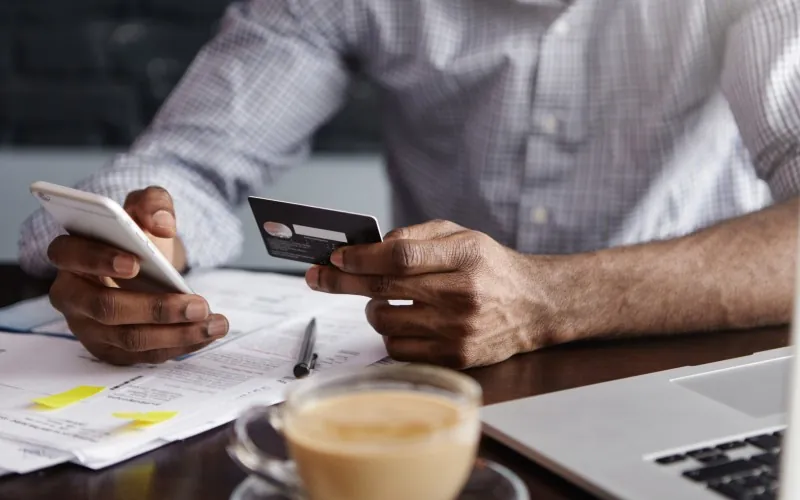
(381, 418)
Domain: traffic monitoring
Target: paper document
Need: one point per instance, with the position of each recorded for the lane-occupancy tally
(45, 366)
(28, 315)
(54, 396)
(20, 457)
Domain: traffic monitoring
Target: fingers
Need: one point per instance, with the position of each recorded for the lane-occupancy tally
(153, 210)
(425, 350)
(406, 250)
(405, 257)
(411, 349)
(144, 338)
(80, 255)
(123, 327)
(418, 334)
(75, 296)
(429, 288)
(417, 320)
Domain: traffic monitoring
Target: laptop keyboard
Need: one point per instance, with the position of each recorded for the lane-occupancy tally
(740, 470)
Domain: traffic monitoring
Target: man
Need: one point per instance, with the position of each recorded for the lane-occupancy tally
(608, 167)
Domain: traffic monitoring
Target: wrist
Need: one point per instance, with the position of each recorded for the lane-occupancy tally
(566, 290)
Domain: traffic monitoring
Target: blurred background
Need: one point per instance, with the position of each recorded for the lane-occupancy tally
(80, 79)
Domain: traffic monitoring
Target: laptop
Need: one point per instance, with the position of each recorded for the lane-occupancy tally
(708, 432)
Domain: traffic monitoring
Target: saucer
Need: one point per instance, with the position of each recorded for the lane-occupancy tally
(489, 481)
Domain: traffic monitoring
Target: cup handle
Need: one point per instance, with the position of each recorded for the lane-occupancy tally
(279, 473)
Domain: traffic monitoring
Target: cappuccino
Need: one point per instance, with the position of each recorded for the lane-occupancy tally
(383, 444)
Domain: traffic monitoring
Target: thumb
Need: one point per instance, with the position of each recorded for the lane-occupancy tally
(426, 231)
(153, 210)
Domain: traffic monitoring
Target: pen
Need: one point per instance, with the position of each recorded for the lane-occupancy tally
(307, 357)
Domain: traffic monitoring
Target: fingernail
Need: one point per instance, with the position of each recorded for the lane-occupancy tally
(196, 310)
(312, 278)
(217, 327)
(124, 264)
(337, 259)
(164, 219)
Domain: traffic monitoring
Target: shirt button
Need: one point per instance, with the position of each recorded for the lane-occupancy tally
(539, 215)
(561, 28)
(549, 124)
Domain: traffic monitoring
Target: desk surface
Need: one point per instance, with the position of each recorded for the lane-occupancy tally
(199, 468)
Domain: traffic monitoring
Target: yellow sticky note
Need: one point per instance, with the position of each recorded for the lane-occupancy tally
(69, 397)
(143, 419)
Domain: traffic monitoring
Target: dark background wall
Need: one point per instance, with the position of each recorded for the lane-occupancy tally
(93, 72)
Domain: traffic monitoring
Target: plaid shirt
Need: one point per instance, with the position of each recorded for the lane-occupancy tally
(553, 126)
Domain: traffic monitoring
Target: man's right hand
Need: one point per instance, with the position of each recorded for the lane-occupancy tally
(125, 327)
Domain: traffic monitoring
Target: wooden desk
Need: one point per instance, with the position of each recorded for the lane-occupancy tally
(200, 469)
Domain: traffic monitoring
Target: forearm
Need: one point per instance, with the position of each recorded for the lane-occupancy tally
(737, 274)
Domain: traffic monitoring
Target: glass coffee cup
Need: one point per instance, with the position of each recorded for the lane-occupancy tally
(396, 432)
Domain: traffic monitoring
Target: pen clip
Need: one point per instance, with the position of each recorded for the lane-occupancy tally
(313, 363)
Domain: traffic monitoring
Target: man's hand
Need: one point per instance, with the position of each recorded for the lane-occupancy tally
(476, 302)
(125, 327)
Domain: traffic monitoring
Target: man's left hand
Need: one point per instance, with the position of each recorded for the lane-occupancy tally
(475, 302)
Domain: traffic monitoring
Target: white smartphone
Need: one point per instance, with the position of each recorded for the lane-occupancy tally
(100, 218)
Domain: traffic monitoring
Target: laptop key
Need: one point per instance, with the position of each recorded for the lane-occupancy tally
(765, 442)
(700, 452)
(732, 491)
(771, 459)
(731, 468)
(751, 483)
(733, 445)
(713, 459)
(766, 480)
(767, 495)
(671, 459)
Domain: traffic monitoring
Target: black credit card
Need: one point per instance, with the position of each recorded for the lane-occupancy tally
(308, 234)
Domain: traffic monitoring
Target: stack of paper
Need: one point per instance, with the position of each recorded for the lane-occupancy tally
(58, 403)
